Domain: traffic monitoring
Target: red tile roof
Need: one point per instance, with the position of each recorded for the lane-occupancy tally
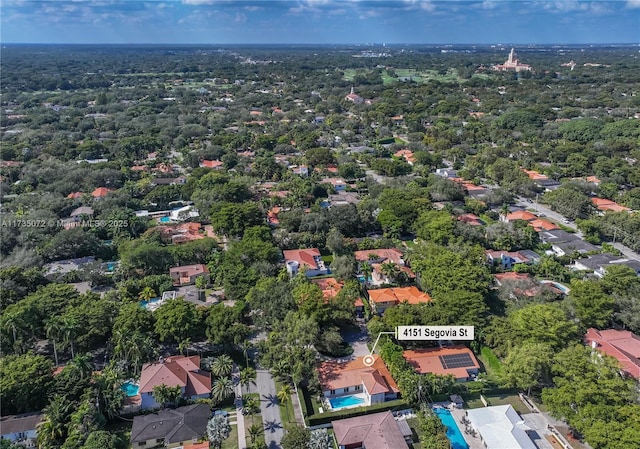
(305, 257)
(391, 255)
(608, 205)
(335, 375)
(330, 286)
(176, 371)
(542, 225)
(521, 215)
(471, 219)
(211, 164)
(397, 295)
(100, 192)
(75, 195)
(428, 361)
(622, 345)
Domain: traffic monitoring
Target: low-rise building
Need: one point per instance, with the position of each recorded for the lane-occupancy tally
(457, 361)
(383, 298)
(175, 371)
(375, 431)
(187, 274)
(22, 429)
(308, 259)
(361, 384)
(500, 427)
(170, 428)
(622, 345)
(506, 260)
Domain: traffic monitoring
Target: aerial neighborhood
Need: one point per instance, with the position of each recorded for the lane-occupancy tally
(208, 247)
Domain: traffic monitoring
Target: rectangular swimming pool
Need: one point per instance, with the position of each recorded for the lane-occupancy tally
(453, 433)
(346, 401)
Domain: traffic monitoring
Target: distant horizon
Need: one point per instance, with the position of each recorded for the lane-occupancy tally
(345, 44)
(320, 22)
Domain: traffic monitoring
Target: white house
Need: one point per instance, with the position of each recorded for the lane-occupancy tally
(500, 427)
(21, 429)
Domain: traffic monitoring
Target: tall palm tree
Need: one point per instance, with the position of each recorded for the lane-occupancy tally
(70, 329)
(247, 377)
(54, 329)
(222, 389)
(13, 322)
(366, 270)
(390, 270)
(146, 294)
(255, 430)
(284, 396)
(83, 364)
(250, 406)
(52, 431)
(222, 366)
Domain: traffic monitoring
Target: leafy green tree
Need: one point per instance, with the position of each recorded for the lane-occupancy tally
(542, 323)
(177, 320)
(248, 377)
(148, 258)
(296, 438)
(569, 202)
(527, 366)
(25, 382)
(435, 226)
(101, 439)
(593, 307)
(270, 300)
(343, 267)
(233, 219)
(224, 324)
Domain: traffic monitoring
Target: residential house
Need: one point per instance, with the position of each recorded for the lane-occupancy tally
(447, 172)
(175, 371)
(187, 274)
(379, 256)
(61, 267)
(301, 170)
(22, 429)
(598, 263)
(331, 287)
(354, 98)
(407, 155)
(371, 384)
(511, 276)
(181, 233)
(75, 195)
(168, 181)
(343, 198)
(381, 299)
(375, 431)
(500, 427)
(338, 184)
(272, 216)
(507, 260)
(622, 345)
(216, 165)
(457, 361)
(171, 428)
(470, 219)
(541, 180)
(79, 212)
(309, 259)
(604, 205)
(540, 225)
(100, 192)
(564, 243)
(518, 215)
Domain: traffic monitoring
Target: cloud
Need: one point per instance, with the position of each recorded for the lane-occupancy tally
(240, 18)
(632, 4)
(425, 5)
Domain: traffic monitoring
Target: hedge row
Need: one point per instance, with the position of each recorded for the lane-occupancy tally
(325, 418)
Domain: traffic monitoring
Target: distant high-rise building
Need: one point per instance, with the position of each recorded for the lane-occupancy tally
(512, 63)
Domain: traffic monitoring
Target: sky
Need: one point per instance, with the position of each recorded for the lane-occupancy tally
(320, 21)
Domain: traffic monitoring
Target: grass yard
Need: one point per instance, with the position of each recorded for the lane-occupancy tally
(504, 399)
(414, 425)
(491, 363)
(287, 413)
(232, 441)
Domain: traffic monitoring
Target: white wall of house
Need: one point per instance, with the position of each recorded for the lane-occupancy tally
(28, 437)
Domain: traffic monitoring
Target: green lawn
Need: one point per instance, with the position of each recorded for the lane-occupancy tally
(287, 413)
(504, 399)
(232, 441)
(491, 362)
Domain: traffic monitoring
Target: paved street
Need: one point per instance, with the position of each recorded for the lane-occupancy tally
(273, 429)
(521, 202)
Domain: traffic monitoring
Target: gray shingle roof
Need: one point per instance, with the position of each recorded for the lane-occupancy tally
(180, 424)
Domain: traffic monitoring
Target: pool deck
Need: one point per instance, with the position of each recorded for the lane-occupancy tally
(473, 442)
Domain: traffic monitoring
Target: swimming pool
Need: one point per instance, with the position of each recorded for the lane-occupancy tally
(165, 219)
(563, 288)
(145, 304)
(130, 389)
(453, 433)
(346, 401)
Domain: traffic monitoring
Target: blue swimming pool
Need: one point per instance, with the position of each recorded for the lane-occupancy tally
(165, 219)
(130, 389)
(345, 401)
(144, 304)
(453, 433)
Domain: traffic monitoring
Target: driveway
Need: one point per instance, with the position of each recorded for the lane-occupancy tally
(271, 420)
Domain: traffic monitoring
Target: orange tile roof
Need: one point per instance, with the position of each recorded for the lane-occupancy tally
(176, 371)
(542, 225)
(211, 164)
(511, 276)
(428, 360)
(330, 286)
(521, 215)
(608, 205)
(397, 295)
(303, 256)
(471, 219)
(335, 375)
(391, 254)
(75, 195)
(623, 345)
(100, 192)
(534, 175)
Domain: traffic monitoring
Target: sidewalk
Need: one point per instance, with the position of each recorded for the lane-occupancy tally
(297, 407)
(242, 440)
